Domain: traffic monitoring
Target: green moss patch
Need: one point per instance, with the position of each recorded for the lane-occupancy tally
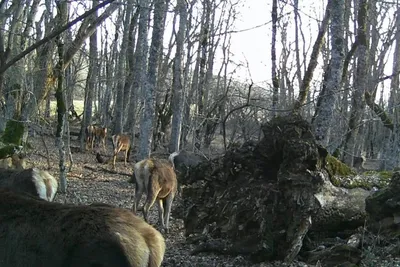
(336, 167)
(13, 132)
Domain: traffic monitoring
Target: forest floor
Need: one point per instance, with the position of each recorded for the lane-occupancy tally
(90, 181)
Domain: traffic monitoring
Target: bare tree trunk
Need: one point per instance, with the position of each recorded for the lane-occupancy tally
(147, 92)
(91, 81)
(139, 68)
(296, 42)
(275, 79)
(361, 78)
(108, 70)
(130, 62)
(393, 146)
(189, 86)
(177, 90)
(62, 10)
(122, 87)
(322, 119)
(283, 78)
(305, 86)
(41, 71)
(204, 40)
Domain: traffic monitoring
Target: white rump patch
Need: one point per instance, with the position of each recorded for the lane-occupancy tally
(46, 185)
(172, 157)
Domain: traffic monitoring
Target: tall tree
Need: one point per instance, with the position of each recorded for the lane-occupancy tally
(147, 89)
(308, 75)
(393, 146)
(177, 90)
(360, 83)
(140, 62)
(130, 64)
(91, 81)
(202, 63)
(122, 69)
(275, 80)
(62, 18)
(332, 79)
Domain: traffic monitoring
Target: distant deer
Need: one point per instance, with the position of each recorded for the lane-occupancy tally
(157, 179)
(100, 134)
(38, 233)
(121, 142)
(89, 134)
(95, 134)
(37, 183)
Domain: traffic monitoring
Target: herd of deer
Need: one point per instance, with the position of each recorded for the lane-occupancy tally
(35, 231)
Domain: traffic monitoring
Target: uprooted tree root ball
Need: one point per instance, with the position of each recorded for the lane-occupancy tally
(261, 199)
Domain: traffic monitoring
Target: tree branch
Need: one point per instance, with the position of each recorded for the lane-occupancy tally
(83, 33)
(380, 112)
(348, 58)
(52, 35)
(247, 104)
(305, 87)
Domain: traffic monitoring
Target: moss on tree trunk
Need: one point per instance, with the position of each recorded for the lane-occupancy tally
(13, 132)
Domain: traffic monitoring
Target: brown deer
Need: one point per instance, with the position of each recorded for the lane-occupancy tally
(100, 134)
(38, 233)
(95, 134)
(121, 142)
(89, 133)
(38, 183)
(157, 179)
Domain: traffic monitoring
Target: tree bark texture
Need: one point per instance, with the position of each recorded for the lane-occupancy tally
(361, 78)
(177, 87)
(147, 91)
(332, 78)
(305, 86)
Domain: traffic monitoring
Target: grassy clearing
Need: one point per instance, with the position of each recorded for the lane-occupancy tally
(78, 105)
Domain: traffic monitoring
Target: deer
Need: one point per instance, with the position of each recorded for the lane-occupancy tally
(121, 142)
(100, 133)
(157, 178)
(33, 181)
(16, 161)
(94, 133)
(89, 133)
(38, 233)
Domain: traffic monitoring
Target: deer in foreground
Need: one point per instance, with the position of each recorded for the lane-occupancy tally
(157, 179)
(121, 142)
(38, 183)
(38, 233)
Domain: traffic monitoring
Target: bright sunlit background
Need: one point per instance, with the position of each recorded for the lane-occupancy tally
(252, 43)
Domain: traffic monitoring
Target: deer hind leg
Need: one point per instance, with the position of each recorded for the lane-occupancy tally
(161, 217)
(92, 142)
(138, 194)
(151, 198)
(167, 210)
(126, 156)
(115, 158)
(104, 144)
